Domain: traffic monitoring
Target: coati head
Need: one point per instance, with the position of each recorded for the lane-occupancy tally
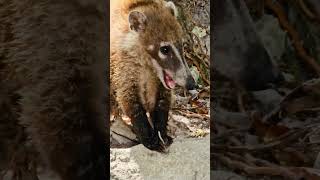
(160, 35)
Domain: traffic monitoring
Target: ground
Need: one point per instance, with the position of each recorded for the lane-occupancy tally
(187, 159)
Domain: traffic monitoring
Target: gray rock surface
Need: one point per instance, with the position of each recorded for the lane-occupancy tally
(188, 159)
(269, 98)
(317, 162)
(272, 36)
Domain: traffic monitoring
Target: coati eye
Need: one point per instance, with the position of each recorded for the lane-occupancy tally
(165, 50)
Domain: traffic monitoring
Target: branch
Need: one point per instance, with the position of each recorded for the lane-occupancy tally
(297, 43)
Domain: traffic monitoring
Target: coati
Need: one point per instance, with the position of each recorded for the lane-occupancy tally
(52, 84)
(146, 63)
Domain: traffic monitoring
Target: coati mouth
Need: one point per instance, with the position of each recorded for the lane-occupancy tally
(169, 83)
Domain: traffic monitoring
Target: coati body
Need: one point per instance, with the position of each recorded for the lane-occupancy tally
(146, 63)
(52, 55)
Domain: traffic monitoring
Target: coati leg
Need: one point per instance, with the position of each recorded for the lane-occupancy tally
(160, 116)
(131, 104)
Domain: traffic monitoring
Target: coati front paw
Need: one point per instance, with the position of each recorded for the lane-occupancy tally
(165, 139)
(152, 143)
(157, 142)
(152, 137)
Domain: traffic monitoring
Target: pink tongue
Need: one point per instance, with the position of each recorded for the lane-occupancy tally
(169, 81)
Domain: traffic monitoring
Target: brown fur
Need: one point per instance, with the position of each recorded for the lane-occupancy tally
(130, 63)
(51, 78)
(135, 86)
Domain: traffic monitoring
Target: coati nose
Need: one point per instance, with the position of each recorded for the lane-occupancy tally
(191, 83)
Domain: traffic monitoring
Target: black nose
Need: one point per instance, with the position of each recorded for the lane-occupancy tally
(191, 83)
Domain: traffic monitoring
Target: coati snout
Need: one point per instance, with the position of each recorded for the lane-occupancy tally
(171, 67)
(166, 54)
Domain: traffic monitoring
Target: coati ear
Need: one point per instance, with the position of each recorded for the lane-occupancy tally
(172, 8)
(137, 21)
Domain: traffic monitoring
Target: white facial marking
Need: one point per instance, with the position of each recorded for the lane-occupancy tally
(158, 69)
(151, 47)
(164, 43)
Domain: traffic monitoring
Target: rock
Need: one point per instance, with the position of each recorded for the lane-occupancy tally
(188, 159)
(251, 139)
(272, 36)
(121, 135)
(317, 162)
(269, 98)
(122, 167)
(288, 77)
(234, 119)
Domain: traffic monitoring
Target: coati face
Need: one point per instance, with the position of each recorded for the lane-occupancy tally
(160, 35)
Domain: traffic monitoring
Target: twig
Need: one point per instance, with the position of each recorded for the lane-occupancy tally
(228, 134)
(253, 170)
(190, 114)
(240, 158)
(294, 173)
(306, 10)
(240, 101)
(133, 140)
(202, 52)
(197, 58)
(203, 75)
(296, 41)
(280, 142)
(306, 86)
(258, 161)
